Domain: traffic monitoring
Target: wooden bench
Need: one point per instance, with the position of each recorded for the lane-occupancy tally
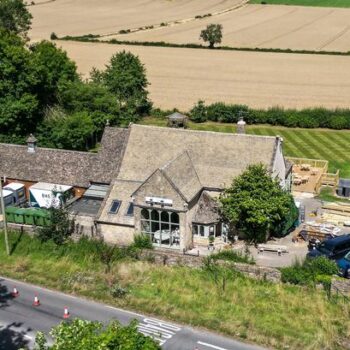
(279, 249)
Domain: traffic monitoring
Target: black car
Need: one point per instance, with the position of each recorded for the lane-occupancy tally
(333, 248)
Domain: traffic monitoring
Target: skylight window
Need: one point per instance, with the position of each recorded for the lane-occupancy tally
(130, 211)
(115, 206)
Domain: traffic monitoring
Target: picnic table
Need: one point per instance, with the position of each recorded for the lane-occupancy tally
(305, 166)
(279, 249)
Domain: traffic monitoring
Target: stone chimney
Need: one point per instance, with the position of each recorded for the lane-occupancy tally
(241, 126)
(31, 143)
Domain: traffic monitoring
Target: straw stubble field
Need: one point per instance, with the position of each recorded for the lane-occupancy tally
(78, 17)
(180, 77)
(251, 26)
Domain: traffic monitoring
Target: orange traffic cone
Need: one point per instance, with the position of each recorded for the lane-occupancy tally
(36, 300)
(15, 292)
(66, 313)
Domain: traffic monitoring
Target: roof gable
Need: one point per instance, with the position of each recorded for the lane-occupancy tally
(183, 175)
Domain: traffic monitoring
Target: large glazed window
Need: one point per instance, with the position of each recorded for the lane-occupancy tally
(163, 227)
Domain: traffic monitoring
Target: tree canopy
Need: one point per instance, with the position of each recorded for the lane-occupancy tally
(42, 93)
(125, 77)
(54, 68)
(92, 335)
(255, 204)
(212, 34)
(15, 17)
(19, 80)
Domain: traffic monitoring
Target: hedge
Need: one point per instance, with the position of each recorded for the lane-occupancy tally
(305, 118)
(99, 38)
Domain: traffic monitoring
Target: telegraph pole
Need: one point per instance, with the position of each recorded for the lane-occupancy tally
(2, 203)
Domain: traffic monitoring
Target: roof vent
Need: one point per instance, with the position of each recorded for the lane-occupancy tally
(241, 126)
(31, 143)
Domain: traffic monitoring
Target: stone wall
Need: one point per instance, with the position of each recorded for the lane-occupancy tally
(170, 258)
(340, 286)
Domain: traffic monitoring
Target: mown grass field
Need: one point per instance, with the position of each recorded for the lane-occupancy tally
(331, 145)
(277, 316)
(321, 3)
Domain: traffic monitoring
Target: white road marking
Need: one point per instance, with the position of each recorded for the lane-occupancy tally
(210, 345)
(158, 330)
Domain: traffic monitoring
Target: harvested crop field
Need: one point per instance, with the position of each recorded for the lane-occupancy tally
(261, 26)
(180, 77)
(78, 17)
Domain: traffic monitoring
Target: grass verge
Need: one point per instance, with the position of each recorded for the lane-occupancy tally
(331, 145)
(274, 315)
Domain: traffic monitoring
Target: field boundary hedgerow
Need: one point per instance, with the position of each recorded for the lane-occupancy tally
(95, 38)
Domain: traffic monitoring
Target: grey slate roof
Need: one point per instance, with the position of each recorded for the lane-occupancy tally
(63, 166)
(176, 116)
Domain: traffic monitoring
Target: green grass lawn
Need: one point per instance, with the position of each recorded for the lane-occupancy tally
(277, 316)
(331, 145)
(323, 3)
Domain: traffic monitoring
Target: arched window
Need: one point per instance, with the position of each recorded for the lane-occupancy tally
(154, 215)
(164, 216)
(145, 214)
(175, 218)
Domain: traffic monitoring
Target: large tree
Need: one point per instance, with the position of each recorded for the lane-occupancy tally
(15, 17)
(19, 80)
(255, 204)
(212, 34)
(91, 335)
(54, 68)
(125, 77)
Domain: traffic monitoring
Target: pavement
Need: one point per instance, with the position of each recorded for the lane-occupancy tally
(20, 320)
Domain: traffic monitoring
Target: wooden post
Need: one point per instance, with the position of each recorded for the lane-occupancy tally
(4, 219)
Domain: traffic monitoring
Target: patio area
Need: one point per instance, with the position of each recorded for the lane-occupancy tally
(306, 178)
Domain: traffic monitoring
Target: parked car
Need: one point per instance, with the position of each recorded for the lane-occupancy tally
(334, 248)
(344, 265)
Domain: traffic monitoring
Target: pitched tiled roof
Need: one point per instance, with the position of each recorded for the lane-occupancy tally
(216, 157)
(183, 176)
(62, 166)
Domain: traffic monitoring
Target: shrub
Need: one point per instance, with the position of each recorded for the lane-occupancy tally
(339, 122)
(321, 266)
(117, 291)
(310, 271)
(198, 113)
(142, 241)
(53, 36)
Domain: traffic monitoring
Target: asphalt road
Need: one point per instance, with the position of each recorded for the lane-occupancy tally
(20, 320)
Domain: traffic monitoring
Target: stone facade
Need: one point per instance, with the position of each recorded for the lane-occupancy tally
(340, 286)
(170, 258)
